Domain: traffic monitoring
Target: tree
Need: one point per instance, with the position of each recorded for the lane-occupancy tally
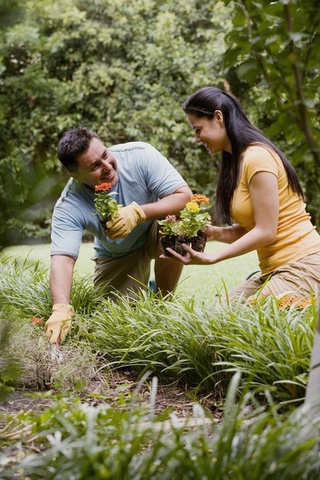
(121, 68)
(313, 387)
(273, 59)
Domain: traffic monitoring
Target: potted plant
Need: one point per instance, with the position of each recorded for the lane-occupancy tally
(169, 228)
(106, 205)
(189, 229)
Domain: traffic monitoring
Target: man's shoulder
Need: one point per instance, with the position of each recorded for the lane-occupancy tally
(131, 146)
(73, 193)
(73, 187)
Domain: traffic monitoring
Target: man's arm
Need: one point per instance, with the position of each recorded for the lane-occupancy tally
(132, 215)
(169, 205)
(61, 276)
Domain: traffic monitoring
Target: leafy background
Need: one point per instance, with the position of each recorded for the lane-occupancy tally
(125, 68)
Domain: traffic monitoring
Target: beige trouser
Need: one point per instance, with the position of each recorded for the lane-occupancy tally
(130, 272)
(298, 278)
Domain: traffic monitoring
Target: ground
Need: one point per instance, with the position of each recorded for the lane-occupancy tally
(110, 387)
(89, 376)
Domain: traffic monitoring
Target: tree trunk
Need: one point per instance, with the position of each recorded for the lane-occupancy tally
(313, 387)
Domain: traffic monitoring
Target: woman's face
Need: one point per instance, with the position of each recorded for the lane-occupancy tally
(210, 132)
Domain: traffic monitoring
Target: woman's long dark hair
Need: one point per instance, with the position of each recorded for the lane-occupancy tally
(241, 133)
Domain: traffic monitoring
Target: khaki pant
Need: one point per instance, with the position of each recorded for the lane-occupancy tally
(298, 278)
(130, 272)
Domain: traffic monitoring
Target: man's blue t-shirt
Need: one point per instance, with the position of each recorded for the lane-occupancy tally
(145, 176)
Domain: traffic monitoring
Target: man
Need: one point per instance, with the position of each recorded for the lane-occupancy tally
(147, 186)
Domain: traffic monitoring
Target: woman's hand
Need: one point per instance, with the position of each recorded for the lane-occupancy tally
(212, 232)
(192, 258)
(225, 234)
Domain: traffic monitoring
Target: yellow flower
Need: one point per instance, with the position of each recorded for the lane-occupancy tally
(193, 218)
(192, 207)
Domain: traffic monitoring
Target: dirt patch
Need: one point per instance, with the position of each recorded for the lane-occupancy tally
(110, 387)
(88, 375)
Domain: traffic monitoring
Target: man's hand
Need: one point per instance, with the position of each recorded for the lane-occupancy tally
(125, 221)
(58, 325)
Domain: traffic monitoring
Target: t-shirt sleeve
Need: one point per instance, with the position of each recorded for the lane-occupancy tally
(66, 231)
(259, 159)
(158, 174)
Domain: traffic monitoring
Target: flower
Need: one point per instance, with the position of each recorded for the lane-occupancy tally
(194, 218)
(169, 226)
(199, 198)
(192, 207)
(106, 206)
(290, 300)
(103, 187)
(285, 300)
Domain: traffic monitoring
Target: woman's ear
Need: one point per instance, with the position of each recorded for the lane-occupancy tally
(218, 115)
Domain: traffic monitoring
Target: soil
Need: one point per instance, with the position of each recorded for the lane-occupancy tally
(198, 243)
(168, 241)
(109, 388)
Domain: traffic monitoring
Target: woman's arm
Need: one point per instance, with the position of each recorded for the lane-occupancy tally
(225, 234)
(169, 205)
(265, 205)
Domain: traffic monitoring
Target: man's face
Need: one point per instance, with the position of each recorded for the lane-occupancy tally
(96, 165)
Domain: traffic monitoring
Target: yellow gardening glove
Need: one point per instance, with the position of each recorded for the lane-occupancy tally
(58, 325)
(124, 222)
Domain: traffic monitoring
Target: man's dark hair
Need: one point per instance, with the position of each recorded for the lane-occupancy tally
(73, 143)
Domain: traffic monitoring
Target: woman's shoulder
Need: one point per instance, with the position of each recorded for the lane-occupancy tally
(260, 151)
(261, 158)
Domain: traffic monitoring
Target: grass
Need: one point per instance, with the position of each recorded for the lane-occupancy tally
(259, 354)
(203, 345)
(75, 440)
(202, 280)
(190, 338)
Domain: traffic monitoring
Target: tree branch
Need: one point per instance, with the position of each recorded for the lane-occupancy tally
(300, 101)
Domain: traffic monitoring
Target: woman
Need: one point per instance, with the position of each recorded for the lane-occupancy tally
(259, 197)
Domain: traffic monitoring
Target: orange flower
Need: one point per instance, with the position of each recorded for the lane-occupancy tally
(285, 301)
(106, 205)
(289, 300)
(36, 320)
(199, 198)
(103, 187)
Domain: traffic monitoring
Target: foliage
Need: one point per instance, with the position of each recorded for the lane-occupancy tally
(169, 226)
(272, 61)
(203, 345)
(79, 441)
(24, 288)
(123, 69)
(26, 357)
(9, 368)
(193, 218)
(198, 343)
(106, 205)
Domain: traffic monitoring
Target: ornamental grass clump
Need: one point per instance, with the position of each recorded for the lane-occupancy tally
(189, 229)
(106, 205)
(76, 440)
